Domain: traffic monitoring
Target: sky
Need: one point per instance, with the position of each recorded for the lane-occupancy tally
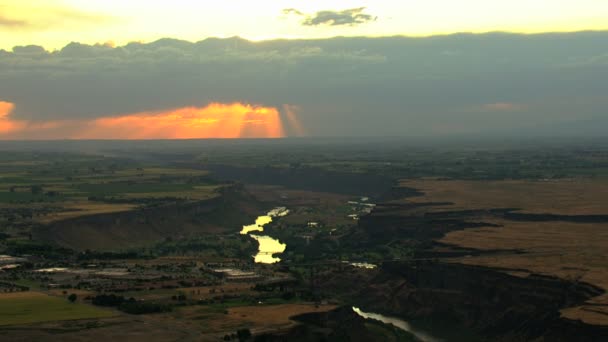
(155, 69)
(55, 23)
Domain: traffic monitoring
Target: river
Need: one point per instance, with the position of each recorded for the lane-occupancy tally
(399, 323)
(268, 246)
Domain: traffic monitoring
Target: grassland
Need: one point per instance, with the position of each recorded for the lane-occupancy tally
(573, 251)
(562, 197)
(34, 307)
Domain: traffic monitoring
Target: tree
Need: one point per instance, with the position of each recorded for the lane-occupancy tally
(36, 189)
(72, 298)
(243, 334)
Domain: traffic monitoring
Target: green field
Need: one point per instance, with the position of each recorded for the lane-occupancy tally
(32, 307)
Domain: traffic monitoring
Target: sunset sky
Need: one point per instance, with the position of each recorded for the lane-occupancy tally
(54, 23)
(154, 69)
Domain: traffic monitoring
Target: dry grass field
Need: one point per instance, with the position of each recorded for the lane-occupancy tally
(84, 208)
(563, 197)
(574, 251)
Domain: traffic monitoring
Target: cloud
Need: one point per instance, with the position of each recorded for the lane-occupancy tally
(10, 126)
(11, 23)
(41, 16)
(5, 109)
(339, 86)
(293, 11)
(216, 120)
(6, 124)
(213, 121)
(348, 17)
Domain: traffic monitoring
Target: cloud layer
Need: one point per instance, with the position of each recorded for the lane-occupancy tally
(459, 84)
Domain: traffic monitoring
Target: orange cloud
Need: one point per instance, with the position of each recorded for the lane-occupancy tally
(216, 120)
(6, 124)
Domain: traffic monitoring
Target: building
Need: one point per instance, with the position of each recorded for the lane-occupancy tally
(235, 275)
(8, 260)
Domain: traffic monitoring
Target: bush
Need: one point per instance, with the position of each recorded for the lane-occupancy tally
(72, 298)
(243, 334)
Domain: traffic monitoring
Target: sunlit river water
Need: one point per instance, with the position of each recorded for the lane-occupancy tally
(268, 246)
(399, 323)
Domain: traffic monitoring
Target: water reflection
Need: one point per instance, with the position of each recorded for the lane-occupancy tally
(263, 220)
(363, 265)
(399, 323)
(267, 245)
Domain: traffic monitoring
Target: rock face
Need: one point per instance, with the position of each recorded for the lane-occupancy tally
(490, 303)
(341, 324)
(145, 226)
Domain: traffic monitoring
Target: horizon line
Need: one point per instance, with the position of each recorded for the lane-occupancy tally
(277, 39)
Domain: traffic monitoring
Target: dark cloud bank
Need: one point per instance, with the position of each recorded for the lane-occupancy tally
(549, 84)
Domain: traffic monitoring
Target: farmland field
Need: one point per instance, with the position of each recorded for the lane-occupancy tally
(33, 307)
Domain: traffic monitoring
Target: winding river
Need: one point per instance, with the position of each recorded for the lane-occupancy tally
(268, 246)
(399, 323)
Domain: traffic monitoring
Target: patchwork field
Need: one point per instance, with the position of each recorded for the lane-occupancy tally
(552, 246)
(72, 187)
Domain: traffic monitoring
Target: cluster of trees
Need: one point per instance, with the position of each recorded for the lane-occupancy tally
(20, 247)
(224, 246)
(110, 300)
(95, 255)
(130, 305)
(140, 308)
